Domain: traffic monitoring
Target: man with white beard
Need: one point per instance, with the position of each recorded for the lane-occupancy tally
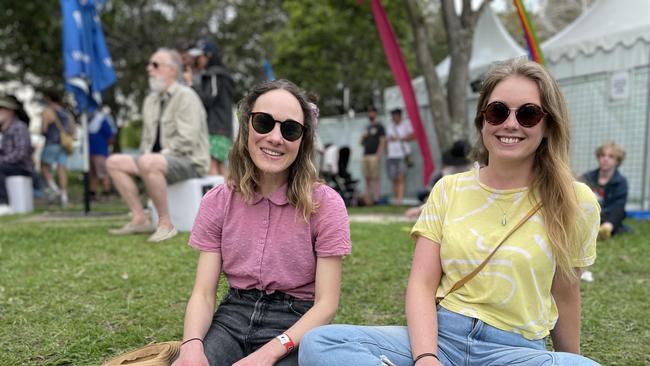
(174, 146)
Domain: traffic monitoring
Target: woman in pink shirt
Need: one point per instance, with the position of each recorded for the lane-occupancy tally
(276, 234)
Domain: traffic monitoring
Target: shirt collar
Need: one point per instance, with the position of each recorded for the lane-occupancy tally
(278, 198)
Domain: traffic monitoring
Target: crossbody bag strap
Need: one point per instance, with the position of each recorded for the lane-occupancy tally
(476, 270)
(57, 122)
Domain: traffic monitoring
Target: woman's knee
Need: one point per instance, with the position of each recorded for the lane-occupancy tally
(315, 343)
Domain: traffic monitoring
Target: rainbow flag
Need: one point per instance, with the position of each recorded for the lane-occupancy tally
(534, 51)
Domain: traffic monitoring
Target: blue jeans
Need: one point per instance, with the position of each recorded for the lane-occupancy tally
(461, 341)
(248, 319)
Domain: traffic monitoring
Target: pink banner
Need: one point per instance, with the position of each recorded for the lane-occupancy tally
(403, 79)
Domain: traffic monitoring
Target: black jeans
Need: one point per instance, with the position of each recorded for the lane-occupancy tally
(248, 319)
(7, 170)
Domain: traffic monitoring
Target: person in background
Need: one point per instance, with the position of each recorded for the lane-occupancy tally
(53, 153)
(610, 187)
(212, 82)
(521, 194)
(454, 161)
(277, 235)
(174, 147)
(15, 146)
(373, 141)
(398, 134)
(101, 132)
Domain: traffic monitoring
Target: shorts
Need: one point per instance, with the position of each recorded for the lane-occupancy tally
(98, 166)
(370, 166)
(178, 168)
(396, 167)
(54, 154)
(220, 147)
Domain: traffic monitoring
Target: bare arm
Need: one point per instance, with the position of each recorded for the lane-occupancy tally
(328, 286)
(409, 137)
(566, 334)
(382, 146)
(200, 308)
(47, 117)
(421, 314)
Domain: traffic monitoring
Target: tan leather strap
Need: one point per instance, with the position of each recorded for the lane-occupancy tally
(478, 269)
(57, 122)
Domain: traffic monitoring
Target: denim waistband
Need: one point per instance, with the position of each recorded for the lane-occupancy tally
(275, 295)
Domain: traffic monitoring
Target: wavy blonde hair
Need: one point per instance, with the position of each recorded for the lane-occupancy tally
(553, 180)
(244, 176)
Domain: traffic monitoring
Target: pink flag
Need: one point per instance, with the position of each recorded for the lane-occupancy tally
(403, 79)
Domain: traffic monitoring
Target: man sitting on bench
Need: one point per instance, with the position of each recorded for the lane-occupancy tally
(174, 146)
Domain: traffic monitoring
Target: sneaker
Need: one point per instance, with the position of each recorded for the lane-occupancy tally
(132, 228)
(162, 234)
(6, 210)
(604, 232)
(64, 199)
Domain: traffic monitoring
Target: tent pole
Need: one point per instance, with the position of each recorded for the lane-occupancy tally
(645, 201)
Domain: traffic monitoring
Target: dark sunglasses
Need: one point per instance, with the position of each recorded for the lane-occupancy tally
(264, 123)
(528, 115)
(156, 65)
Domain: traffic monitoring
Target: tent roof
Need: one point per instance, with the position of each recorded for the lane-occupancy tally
(604, 25)
(491, 43)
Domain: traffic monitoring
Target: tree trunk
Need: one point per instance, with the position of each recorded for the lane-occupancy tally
(460, 34)
(437, 103)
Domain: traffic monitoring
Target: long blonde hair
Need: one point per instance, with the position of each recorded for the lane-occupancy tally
(552, 181)
(244, 176)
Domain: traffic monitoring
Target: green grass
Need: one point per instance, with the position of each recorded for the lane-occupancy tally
(72, 295)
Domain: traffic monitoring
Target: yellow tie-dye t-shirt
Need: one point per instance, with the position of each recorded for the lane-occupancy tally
(513, 291)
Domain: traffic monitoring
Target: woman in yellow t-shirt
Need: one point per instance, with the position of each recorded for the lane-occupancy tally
(530, 288)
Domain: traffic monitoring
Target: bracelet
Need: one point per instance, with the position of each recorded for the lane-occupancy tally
(286, 342)
(425, 355)
(190, 340)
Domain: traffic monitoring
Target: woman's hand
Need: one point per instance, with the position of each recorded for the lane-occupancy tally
(191, 355)
(267, 355)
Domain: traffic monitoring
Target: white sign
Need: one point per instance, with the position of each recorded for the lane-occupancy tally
(619, 85)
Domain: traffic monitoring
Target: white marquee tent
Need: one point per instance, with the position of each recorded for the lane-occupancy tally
(602, 61)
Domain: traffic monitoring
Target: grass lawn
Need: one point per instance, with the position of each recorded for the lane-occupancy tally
(72, 295)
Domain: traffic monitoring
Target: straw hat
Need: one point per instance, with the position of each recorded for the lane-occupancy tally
(9, 102)
(157, 354)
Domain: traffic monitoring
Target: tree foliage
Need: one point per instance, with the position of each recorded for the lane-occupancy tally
(328, 45)
(319, 45)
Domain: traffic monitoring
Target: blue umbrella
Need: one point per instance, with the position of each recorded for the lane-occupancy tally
(87, 66)
(268, 70)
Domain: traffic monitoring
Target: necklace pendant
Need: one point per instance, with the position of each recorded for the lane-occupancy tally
(503, 220)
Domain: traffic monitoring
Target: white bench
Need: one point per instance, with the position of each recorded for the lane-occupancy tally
(21, 193)
(184, 199)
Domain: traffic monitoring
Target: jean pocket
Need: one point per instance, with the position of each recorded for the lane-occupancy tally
(226, 299)
(300, 307)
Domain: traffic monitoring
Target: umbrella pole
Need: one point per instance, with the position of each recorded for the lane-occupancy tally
(86, 162)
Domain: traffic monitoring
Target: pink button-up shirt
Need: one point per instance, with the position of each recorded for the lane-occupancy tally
(266, 245)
